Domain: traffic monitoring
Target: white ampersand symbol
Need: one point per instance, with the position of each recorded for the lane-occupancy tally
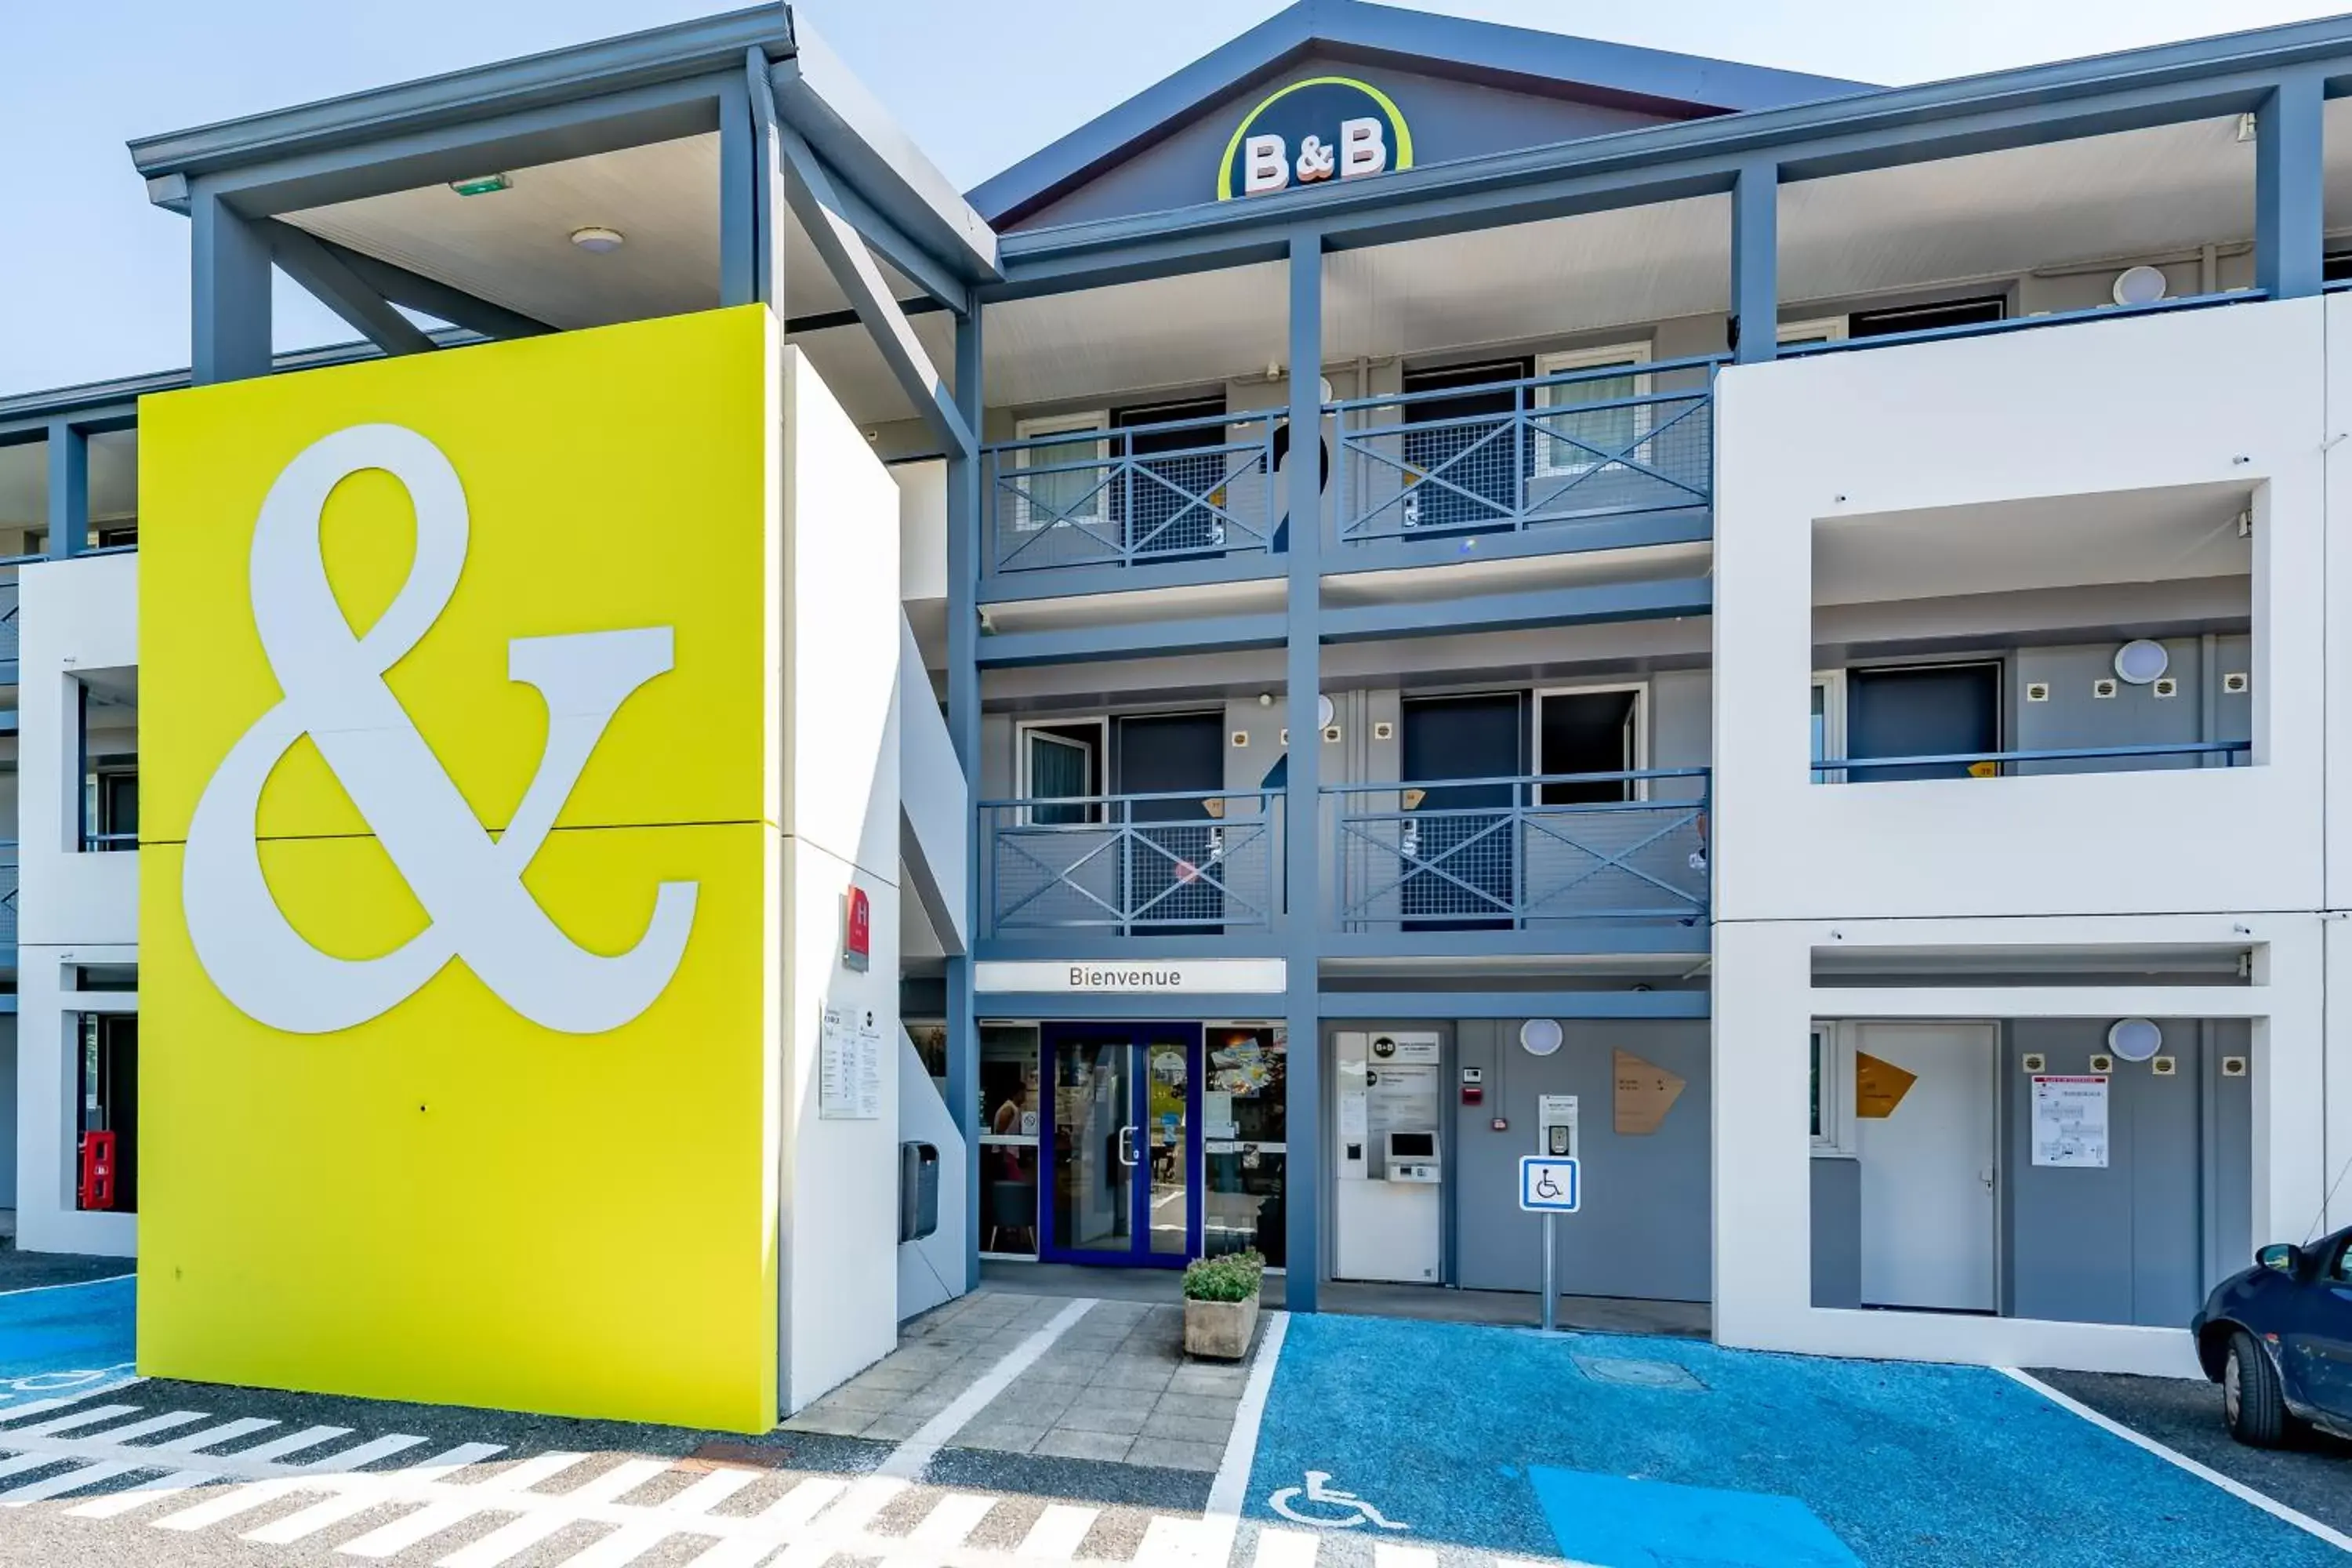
(1315, 160)
(469, 884)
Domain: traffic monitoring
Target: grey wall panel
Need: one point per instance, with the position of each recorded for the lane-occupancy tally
(1837, 1232)
(998, 777)
(2230, 1160)
(1682, 728)
(2123, 1244)
(2074, 717)
(1642, 1230)
(1449, 120)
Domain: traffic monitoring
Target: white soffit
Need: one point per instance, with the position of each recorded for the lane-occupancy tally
(2128, 536)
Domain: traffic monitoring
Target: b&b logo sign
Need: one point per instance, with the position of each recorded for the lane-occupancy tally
(1325, 128)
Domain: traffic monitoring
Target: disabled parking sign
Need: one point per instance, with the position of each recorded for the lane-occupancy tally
(1546, 1185)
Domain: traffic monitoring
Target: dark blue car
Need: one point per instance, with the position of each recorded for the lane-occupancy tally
(2278, 1339)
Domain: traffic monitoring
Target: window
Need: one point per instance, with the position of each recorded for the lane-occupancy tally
(1927, 318)
(111, 803)
(1008, 1140)
(1567, 442)
(1806, 334)
(1061, 760)
(1075, 492)
(1832, 1121)
(1829, 724)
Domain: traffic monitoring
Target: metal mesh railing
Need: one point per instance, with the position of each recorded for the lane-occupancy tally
(8, 893)
(1522, 853)
(1577, 447)
(1197, 487)
(1178, 862)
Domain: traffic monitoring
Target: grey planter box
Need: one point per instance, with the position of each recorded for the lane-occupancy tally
(1220, 1331)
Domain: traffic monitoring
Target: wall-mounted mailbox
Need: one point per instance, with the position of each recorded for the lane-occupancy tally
(918, 1190)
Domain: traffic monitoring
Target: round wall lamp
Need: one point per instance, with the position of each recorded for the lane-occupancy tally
(1539, 1037)
(1323, 711)
(2134, 1039)
(597, 241)
(2139, 286)
(2140, 661)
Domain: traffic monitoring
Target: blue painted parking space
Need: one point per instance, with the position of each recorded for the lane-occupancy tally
(1622, 1452)
(65, 1340)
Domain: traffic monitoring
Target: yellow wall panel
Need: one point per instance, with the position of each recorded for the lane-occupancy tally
(448, 1201)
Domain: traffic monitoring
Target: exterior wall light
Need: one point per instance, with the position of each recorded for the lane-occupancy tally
(597, 241)
(2140, 661)
(2134, 1039)
(1540, 1037)
(2139, 286)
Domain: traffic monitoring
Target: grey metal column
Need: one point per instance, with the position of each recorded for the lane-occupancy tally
(229, 287)
(2290, 204)
(1755, 261)
(963, 728)
(740, 217)
(69, 489)
(1302, 810)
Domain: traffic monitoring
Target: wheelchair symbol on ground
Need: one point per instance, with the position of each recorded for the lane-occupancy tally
(1352, 1510)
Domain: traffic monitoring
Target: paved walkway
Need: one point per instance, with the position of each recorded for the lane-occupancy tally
(1113, 1385)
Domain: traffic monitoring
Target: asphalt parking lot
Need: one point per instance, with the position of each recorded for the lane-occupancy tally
(1349, 1443)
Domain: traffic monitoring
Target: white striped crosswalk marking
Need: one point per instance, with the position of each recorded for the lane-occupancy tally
(1385, 1555)
(864, 1500)
(152, 1425)
(71, 1480)
(254, 1494)
(170, 1484)
(1058, 1530)
(90, 1417)
(795, 1508)
(956, 1515)
(14, 1412)
(1286, 1547)
(292, 1443)
(631, 1541)
(392, 1539)
(519, 1535)
(1185, 1543)
(337, 1508)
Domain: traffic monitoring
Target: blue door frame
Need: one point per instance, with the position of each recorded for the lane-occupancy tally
(1138, 1039)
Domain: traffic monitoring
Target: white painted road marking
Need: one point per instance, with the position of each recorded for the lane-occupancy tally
(1058, 1530)
(390, 1540)
(336, 1508)
(518, 1536)
(2236, 1489)
(1230, 1491)
(908, 1459)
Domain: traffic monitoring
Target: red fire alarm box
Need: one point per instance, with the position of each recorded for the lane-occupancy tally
(1473, 1085)
(97, 1170)
(858, 930)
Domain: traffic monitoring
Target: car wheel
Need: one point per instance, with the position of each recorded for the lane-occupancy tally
(2251, 1400)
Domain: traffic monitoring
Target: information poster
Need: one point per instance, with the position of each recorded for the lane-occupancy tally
(2070, 1121)
(849, 1065)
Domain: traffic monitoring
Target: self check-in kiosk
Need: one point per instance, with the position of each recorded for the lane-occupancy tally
(1389, 1192)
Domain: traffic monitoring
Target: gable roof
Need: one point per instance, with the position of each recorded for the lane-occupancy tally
(1681, 86)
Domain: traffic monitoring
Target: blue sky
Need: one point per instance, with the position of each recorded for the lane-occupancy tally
(94, 280)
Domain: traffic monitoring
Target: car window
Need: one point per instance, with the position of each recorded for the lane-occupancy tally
(2339, 1272)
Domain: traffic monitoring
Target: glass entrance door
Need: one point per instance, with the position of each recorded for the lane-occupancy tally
(1121, 1114)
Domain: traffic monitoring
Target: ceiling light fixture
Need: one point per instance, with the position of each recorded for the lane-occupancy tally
(597, 241)
(481, 184)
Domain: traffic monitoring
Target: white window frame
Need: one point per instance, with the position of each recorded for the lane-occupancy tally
(1633, 353)
(1021, 784)
(1832, 1042)
(1097, 422)
(1820, 328)
(1641, 691)
(1831, 683)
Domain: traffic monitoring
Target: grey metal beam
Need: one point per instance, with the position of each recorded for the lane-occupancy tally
(304, 259)
(1682, 525)
(816, 202)
(1071, 582)
(1490, 1004)
(963, 733)
(1586, 939)
(1303, 683)
(435, 297)
(740, 229)
(1535, 608)
(1755, 262)
(229, 290)
(69, 455)
(768, 186)
(1109, 944)
(2290, 193)
(1144, 639)
(1239, 1005)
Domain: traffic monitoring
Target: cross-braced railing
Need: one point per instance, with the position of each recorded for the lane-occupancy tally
(1142, 493)
(1187, 861)
(8, 623)
(8, 893)
(1522, 853)
(1581, 446)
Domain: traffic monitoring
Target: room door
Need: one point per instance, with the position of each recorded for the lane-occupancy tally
(1927, 1136)
(1927, 710)
(1458, 854)
(1120, 1117)
(1172, 764)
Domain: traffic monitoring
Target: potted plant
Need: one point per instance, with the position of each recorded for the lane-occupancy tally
(1221, 1304)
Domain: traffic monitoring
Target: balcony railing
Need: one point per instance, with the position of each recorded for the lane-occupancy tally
(1184, 862)
(1522, 853)
(1185, 489)
(1573, 447)
(2014, 764)
(7, 893)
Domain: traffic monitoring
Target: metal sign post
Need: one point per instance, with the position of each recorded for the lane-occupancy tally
(1547, 1186)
